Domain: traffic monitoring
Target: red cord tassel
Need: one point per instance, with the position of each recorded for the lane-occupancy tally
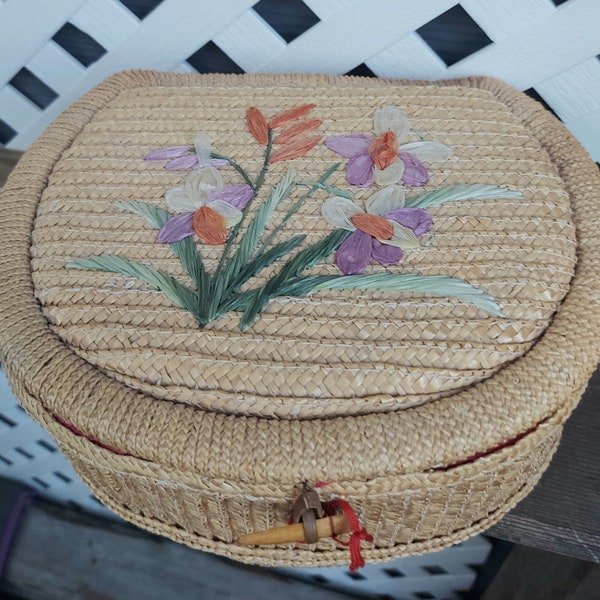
(358, 534)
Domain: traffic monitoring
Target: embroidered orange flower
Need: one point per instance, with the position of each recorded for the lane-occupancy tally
(293, 139)
(294, 131)
(205, 205)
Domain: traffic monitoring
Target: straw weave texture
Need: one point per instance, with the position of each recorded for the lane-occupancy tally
(334, 353)
(220, 427)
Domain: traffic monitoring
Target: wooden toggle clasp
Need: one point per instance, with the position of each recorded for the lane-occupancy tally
(306, 508)
(335, 525)
(307, 528)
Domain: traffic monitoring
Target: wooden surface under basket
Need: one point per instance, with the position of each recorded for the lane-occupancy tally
(203, 469)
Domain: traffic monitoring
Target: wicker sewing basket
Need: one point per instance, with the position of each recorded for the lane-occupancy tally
(429, 416)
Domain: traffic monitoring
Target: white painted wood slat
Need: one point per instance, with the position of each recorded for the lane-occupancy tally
(25, 27)
(550, 45)
(107, 21)
(327, 9)
(188, 25)
(587, 130)
(250, 42)
(56, 67)
(356, 34)
(16, 110)
(409, 58)
(574, 93)
(501, 19)
(534, 43)
(184, 67)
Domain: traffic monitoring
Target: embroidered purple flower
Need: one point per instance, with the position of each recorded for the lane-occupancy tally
(183, 158)
(383, 158)
(207, 207)
(379, 233)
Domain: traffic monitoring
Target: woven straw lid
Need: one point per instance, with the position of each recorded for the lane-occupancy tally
(357, 388)
(334, 352)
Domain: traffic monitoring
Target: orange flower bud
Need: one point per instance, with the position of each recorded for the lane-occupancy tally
(258, 126)
(299, 147)
(295, 131)
(284, 118)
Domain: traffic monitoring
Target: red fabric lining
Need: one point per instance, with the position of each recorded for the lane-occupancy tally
(500, 446)
(90, 438)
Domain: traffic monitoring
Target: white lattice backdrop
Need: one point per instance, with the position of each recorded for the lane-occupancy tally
(550, 46)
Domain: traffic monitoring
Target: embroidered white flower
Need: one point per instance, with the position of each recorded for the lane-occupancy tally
(384, 159)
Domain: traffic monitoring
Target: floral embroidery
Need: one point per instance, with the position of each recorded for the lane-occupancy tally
(219, 215)
(207, 207)
(384, 159)
(293, 139)
(378, 234)
(182, 158)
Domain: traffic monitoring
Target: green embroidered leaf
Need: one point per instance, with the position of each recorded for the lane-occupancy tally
(261, 261)
(186, 250)
(180, 294)
(328, 188)
(303, 260)
(435, 285)
(155, 215)
(258, 224)
(297, 205)
(462, 192)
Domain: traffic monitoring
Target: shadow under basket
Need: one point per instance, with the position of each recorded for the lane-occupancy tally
(431, 416)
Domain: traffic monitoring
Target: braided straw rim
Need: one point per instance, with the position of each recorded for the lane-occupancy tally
(538, 388)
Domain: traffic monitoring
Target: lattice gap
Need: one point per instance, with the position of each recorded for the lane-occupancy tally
(7, 133)
(290, 19)
(33, 88)
(81, 46)
(361, 71)
(211, 59)
(141, 8)
(454, 35)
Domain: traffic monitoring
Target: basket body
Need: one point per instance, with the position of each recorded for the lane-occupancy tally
(466, 438)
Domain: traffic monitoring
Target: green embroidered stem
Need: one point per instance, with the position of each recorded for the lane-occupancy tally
(261, 176)
(419, 133)
(327, 188)
(230, 296)
(232, 268)
(296, 206)
(256, 188)
(236, 166)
